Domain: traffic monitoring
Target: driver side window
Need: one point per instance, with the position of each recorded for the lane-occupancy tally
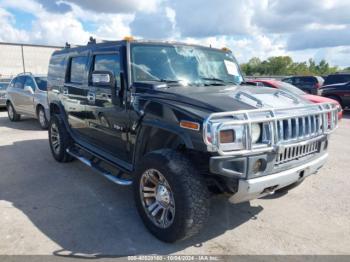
(29, 82)
(108, 62)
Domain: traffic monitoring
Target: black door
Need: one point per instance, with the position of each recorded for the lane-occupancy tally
(74, 94)
(107, 121)
(346, 95)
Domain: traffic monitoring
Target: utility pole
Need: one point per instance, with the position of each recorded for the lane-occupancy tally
(24, 67)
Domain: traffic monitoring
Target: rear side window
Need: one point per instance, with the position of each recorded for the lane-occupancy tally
(306, 80)
(108, 62)
(77, 69)
(19, 82)
(335, 79)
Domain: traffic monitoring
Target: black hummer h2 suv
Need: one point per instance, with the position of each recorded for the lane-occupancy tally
(177, 122)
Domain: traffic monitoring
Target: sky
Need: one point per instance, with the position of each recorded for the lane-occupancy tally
(302, 29)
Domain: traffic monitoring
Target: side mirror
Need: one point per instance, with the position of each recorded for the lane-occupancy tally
(103, 79)
(29, 89)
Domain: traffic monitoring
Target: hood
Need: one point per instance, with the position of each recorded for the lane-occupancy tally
(319, 99)
(232, 98)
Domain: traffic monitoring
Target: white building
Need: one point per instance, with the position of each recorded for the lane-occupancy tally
(19, 58)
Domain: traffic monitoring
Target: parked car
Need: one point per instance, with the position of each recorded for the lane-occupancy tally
(309, 84)
(3, 86)
(339, 92)
(290, 88)
(27, 95)
(174, 121)
(337, 79)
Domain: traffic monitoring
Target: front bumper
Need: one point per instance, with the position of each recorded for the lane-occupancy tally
(258, 187)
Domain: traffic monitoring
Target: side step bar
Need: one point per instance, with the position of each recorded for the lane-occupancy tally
(106, 174)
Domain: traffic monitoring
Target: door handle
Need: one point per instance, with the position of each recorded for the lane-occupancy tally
(91, 97)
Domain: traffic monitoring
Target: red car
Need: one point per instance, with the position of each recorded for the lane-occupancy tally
(288, 87)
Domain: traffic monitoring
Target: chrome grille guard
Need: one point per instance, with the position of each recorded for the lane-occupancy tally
(280, 126)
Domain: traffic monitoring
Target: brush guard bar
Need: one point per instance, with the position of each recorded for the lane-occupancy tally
(279, 126)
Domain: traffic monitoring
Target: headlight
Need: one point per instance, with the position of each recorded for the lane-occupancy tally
(256, 133)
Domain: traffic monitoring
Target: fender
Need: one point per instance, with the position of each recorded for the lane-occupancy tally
(148, 125)
(176, 130)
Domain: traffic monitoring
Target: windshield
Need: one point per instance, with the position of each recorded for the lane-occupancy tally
(42, 83)
(3, 86)
(185, 65)
(290, 88)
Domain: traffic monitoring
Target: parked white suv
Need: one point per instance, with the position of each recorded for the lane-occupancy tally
(27, 95)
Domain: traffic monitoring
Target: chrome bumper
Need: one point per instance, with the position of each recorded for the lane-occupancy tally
(258, 187)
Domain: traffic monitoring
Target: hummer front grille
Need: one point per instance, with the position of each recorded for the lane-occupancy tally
(281, 126)
(293, 152)
(300, 127)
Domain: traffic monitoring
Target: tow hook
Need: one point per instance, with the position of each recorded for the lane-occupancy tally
(269, 190)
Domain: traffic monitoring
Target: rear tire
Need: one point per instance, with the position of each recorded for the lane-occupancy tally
(42, 118)
(59, 140)
(177, 206)
(12, 114)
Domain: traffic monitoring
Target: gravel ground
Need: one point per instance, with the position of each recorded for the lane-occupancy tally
(52, 208)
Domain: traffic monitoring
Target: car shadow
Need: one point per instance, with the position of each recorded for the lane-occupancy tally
(86, 215)
(25, 123)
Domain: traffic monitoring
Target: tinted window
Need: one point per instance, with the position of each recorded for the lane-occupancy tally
(305, 80)
(57, 66)
(30, 82)
(108, 62)
(41, 83)
(334, 79)
(77, 69)
(19, 82)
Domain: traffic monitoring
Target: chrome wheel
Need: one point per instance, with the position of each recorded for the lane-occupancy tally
(42, 118)
(10, 111)
(55, 138)
(157, 198)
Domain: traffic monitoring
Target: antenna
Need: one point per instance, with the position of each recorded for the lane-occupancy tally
(67, 45)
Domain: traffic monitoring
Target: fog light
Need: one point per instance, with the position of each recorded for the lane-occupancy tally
(258, 166)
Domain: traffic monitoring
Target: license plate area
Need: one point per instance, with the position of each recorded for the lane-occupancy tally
(288, 153)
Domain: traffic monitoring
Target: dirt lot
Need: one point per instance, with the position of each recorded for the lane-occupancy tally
(47, 207)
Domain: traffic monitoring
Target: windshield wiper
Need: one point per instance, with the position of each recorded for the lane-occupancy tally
(169, 81)
(218, 81)
(212, 79)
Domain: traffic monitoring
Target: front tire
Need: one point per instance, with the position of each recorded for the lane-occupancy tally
(12, 114)
(171, 197)
(59, 140)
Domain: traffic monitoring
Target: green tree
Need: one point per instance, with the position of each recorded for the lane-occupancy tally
(284, 65)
